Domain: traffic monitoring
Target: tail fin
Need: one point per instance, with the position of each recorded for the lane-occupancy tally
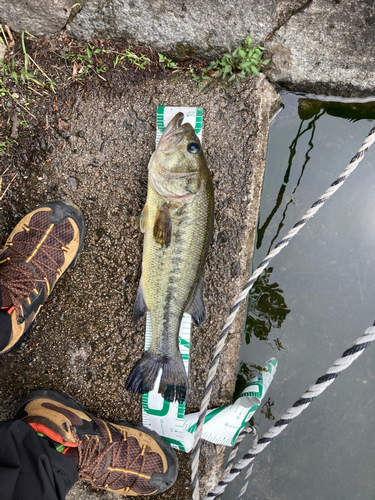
(173, 384)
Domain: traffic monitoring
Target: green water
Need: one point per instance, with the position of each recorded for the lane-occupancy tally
(317, 297)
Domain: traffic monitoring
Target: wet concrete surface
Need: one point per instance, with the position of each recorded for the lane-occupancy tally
(93, 151)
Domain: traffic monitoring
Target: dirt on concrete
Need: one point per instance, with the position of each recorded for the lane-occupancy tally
(93, 149)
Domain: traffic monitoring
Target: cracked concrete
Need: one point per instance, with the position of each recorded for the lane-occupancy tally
(198, 28)
(326, 48)
(317, 46)
(286, 11)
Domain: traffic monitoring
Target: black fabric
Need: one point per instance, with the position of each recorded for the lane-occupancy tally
(29, 468)
(5, 328)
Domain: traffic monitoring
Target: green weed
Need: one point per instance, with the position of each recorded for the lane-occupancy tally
(26, 75)
(140, 61)
(21, 73)
(166, 63)
(6, 145)
(8, 69)
(84, 64)
(197, 75)
(238, 63)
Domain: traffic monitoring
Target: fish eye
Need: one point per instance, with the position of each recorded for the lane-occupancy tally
(193, 147)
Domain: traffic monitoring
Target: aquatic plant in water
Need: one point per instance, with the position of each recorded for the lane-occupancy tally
(266, 308)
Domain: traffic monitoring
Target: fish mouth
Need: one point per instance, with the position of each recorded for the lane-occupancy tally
(175, 123)
(174, 133)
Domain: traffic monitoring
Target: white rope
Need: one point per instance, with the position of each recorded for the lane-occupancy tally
(305, 400)
(248, 429)
(241, 297)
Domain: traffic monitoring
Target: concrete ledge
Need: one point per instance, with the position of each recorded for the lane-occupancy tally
(94, 152)
(326, 48)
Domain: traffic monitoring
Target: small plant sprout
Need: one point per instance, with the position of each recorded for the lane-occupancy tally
(9, 68)
(6, 144)
(238, 63)
(84, 64)
(166, 63)
(140, 61)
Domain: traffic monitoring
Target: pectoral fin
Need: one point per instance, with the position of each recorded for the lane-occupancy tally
(163, 226)
(143, 219)
(140, 307)
(196, 306)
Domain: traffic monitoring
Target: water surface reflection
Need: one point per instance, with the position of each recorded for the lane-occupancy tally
(318, 297)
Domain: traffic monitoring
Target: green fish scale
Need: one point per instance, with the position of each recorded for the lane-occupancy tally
(171, 275)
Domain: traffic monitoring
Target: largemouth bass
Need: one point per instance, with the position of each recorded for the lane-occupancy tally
(177, 222)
